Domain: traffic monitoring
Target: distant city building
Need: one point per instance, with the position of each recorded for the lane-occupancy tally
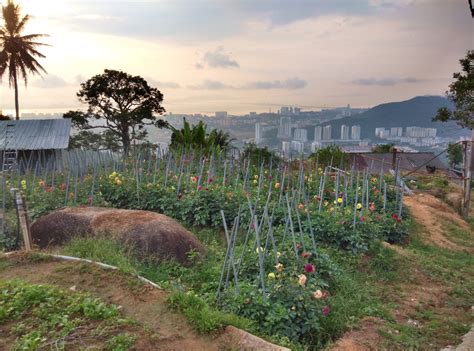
(297, 146)
(284, 130)
(296, 110)
(221, 114)
(300, 134)
(252, 114)
(355, 132)
(318, 133)
(285, 110)
(420, 132)
(396, 132)
(347, 111)
(258, 133)
(382, 133)
(315, 145)
(344, 132)
(327, 133)
(285, 147)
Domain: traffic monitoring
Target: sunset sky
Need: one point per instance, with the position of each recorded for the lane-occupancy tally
(251, 55)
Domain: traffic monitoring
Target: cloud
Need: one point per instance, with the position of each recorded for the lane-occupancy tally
(51, 81)
(219, 59)
(162, 84)
(210, 85)
(289, 84)
(386, 81)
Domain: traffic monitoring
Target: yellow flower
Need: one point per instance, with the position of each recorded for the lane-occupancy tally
(118, 181)
(326, 202)
(278, 253)
(359, 206)
(271, 275)
(255, 176)
(339, 200)
(277, 185)
(255, 181)
(259, 249)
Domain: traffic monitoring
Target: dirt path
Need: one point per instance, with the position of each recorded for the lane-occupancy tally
(431, 213)
(165, 330)
(422, 292)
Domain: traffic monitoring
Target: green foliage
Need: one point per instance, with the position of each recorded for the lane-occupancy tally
(331, 155)
(383, 148)
(259, 155)
(45, 315)
(196, 137)
(202, 317)
(88, 140)
(455, 154)
(461, 93)
(121, 342)
(127, 103)
(101, 249)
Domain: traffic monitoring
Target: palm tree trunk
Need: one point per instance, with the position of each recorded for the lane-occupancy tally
(17, 106)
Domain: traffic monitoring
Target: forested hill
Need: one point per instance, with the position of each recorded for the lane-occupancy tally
(418, 111)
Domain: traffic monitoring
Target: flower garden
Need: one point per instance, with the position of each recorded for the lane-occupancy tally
(281, 236)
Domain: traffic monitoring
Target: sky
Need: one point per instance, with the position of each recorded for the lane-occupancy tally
(248, 55)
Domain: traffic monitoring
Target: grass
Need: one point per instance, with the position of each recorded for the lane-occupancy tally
(369, 285)
(42, 316)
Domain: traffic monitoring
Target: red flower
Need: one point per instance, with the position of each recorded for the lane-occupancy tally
(90, 199)
(325, 310)
(199, 187)
(396, 218)
(362, 218)
(308, 268)
(209, 180)
(305, 254)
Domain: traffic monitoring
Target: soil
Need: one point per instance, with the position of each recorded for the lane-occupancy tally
(160, 328)
(431, 212)
(421, 292)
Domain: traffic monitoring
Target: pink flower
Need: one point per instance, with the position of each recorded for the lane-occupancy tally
(308, 268)
(302, 279)
(372, 207)
(199, 187)
(325, 311)
(362, 218)
(209, 180)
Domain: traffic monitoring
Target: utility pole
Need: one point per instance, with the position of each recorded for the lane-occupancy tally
(468, 170)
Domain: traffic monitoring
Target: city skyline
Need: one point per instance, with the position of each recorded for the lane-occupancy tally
(245, 56)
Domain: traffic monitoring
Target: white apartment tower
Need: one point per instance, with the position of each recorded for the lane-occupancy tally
(344, 132)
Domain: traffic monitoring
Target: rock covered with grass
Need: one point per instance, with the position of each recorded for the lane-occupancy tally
(150, 234)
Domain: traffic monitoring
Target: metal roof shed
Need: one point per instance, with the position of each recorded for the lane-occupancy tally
(35, 134)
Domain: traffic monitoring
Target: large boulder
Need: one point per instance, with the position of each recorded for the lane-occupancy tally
(150, 234)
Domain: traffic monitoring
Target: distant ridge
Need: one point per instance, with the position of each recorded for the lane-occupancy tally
(417, 111)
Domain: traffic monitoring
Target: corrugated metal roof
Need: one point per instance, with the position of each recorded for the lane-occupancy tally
(35, 134)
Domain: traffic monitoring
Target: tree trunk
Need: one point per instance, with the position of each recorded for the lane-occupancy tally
(17, 106)
(126, 142)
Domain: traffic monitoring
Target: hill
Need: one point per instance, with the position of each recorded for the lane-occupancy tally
(414, 112)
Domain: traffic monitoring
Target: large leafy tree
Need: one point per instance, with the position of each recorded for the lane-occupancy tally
(120, 105)
(18, 52)
(461, 93)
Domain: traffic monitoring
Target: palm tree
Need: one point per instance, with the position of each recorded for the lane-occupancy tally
(18, 52)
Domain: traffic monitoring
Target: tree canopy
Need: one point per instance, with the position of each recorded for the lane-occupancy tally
(18, 52)
(119, 105)
(461, 93)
